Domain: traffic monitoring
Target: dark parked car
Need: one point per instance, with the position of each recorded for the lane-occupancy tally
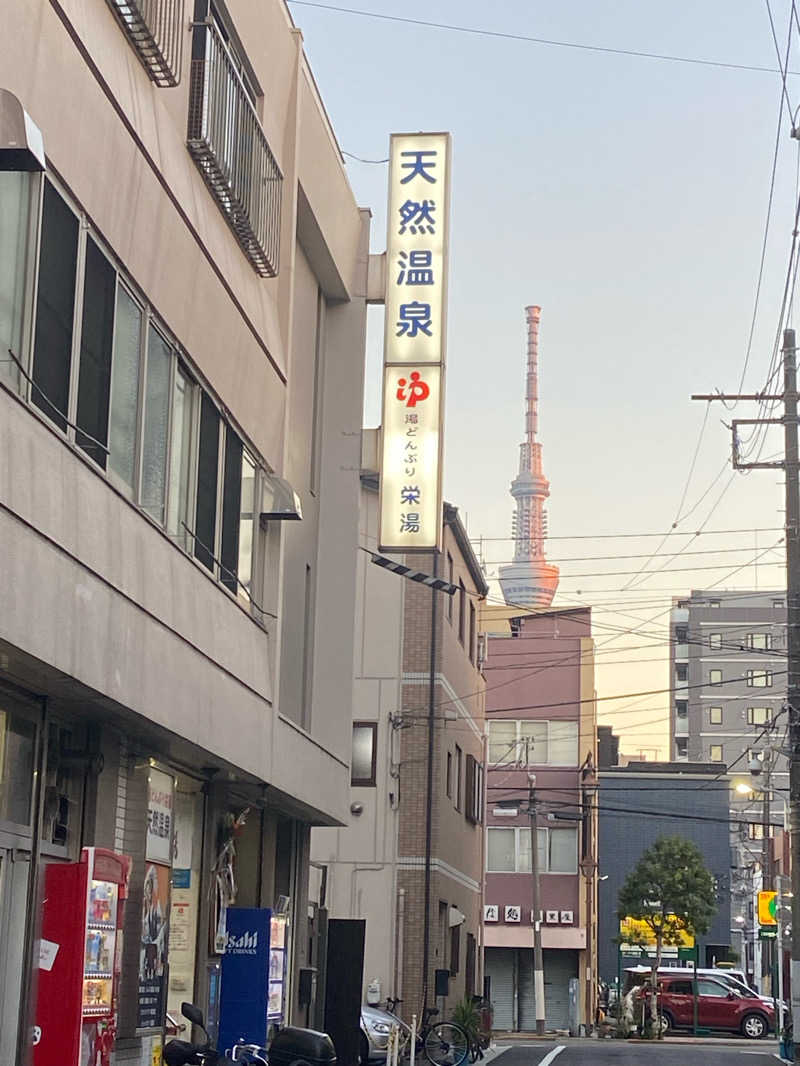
(719, 1006)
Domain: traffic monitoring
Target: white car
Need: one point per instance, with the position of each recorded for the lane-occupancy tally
(376, 1024)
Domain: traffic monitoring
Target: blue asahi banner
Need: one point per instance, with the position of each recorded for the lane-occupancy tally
(244, 994)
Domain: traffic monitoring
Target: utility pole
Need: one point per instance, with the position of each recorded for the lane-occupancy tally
(791, 467)
(538, 965)
(766, 859)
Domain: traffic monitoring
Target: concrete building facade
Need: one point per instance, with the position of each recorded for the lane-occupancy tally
(182, 327)
(542, 719)
(728, 707)
(375, 867)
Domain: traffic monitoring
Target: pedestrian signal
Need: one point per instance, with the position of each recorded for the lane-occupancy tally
(768, 908)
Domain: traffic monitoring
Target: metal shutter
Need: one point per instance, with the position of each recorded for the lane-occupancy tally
(559, 967)
(499, 966)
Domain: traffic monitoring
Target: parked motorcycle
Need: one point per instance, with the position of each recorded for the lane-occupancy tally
(187, 1053)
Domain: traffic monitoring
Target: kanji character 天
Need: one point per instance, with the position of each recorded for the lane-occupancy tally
(417, 164)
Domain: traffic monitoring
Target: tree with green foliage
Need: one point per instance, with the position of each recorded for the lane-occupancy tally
(672, 892)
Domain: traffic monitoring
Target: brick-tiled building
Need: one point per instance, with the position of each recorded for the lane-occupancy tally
(541, 718)
(376, 866)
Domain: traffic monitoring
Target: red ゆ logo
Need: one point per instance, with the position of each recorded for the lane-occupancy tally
(413, 391)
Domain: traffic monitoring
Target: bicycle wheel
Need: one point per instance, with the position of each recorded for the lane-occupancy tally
(446, 1044)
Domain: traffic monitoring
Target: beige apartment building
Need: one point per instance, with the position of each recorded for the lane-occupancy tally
(182, 328)
(406, 852)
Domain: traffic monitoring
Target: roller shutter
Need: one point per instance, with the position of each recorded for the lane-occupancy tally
(499, 966)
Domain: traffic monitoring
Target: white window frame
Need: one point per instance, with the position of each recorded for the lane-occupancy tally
(711, 711)
(754, 678)
(518, 830)
(516, 754)
(752, 717)
(752, 641)
(715, 640)
(715, 680)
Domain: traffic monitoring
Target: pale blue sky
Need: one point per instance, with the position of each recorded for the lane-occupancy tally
(627, 197)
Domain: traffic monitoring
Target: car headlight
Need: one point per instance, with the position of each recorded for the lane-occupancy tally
(381, 1027)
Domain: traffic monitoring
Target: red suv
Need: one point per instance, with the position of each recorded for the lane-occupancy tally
(718, 1007)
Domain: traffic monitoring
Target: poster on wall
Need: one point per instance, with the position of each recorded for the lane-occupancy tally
(158, 847)
(153, 947)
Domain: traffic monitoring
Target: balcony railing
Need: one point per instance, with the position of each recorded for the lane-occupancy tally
(155, 28)
(228, 145)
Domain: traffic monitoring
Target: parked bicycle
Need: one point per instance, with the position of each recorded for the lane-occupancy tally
(442, 1043)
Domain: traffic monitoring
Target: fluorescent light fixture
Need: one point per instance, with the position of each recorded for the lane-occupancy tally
(505, 812)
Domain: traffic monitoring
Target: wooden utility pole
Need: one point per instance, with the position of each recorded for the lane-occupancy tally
(790, 464)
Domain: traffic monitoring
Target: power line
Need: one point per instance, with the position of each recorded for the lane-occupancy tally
(528, 39)
(621, 536)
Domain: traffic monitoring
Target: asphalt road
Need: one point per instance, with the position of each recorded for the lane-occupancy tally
(623, 1053)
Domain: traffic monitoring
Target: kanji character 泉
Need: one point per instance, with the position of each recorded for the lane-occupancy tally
(409, 523)
(415, 318)
(417, 165)
(410, 494)
(417, 216)
(416, 268)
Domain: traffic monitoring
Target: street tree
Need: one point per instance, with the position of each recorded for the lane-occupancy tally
(672, 893)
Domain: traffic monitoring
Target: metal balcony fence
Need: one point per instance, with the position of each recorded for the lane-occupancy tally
(228, 145)
(155, 28)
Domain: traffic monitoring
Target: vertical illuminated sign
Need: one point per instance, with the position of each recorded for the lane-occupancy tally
(414, 342)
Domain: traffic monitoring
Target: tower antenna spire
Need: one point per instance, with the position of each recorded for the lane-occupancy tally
(530, 580)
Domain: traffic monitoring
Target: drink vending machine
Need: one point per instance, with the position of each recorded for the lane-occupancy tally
(79, 959)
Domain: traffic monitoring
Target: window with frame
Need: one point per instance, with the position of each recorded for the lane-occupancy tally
(473, 790)
(758, 678)
(462, 611)
(502, 741)
(681, 634)
(755, 830)
(532, 742)
(759, 715)
(455, 949)
(714, 603)
(449, 775)
(450, 581)
(365, 753)
(682, 708)
(715, 640)
(681, 671)
(715, 753)
(509, 850)
(778, 603)
(19, 200)
(108, 376)
(715, 677)
(715, 716)
(472, 622)
(759, 641)
(459, 781)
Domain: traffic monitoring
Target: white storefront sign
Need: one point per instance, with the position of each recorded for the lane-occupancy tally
(414, 342)
(159, 817)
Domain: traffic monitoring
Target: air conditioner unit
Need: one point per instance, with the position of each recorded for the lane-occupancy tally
(566, 917)
(551, 916)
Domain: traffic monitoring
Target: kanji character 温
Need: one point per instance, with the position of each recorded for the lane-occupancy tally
(415, 268)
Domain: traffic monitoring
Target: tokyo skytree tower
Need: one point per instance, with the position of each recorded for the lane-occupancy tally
(530, 580)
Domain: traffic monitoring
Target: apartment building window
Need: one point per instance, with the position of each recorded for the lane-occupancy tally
(19, 210)
(509, 850)
(472, 631)
(365, 753)
(759, 715)
(459, 781)
(715, 640)
(462, 611)
(778, 603)
(455, 949)
(759, 641)
(449, 775)
(450, 580)
(681, 747)
(758, 678)
(715, 677)
(681, 671)
(155, 29)
(553, 743)
(714, 603)
(502, 741)
(55, 308)
(115, 385)
(473, 790)
(681, 634)
(715, 753)
(682, 708)
(227, 143)
(715, 715)
(755, 830)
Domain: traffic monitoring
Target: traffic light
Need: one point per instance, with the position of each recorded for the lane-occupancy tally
(767, 908)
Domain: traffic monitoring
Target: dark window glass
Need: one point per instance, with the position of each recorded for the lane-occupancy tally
(681, 671)
(208, 458)
(449, 777)
(17, 737)
(680, 988)
(450, 579)
(462, 608)
(362, 767)
(231, 509)
(681, 634)
(471, 648)
(97, 334)
(455, 948)
(459, 779)
(55, 306)
(682, 708)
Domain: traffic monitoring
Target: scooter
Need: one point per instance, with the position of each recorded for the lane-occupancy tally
(186, 1053)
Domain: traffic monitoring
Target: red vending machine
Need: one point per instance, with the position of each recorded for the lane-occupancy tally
(79, 959)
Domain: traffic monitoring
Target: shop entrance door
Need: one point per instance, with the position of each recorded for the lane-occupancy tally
(15, 868)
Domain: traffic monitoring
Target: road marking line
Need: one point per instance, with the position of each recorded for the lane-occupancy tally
(552, 1056)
